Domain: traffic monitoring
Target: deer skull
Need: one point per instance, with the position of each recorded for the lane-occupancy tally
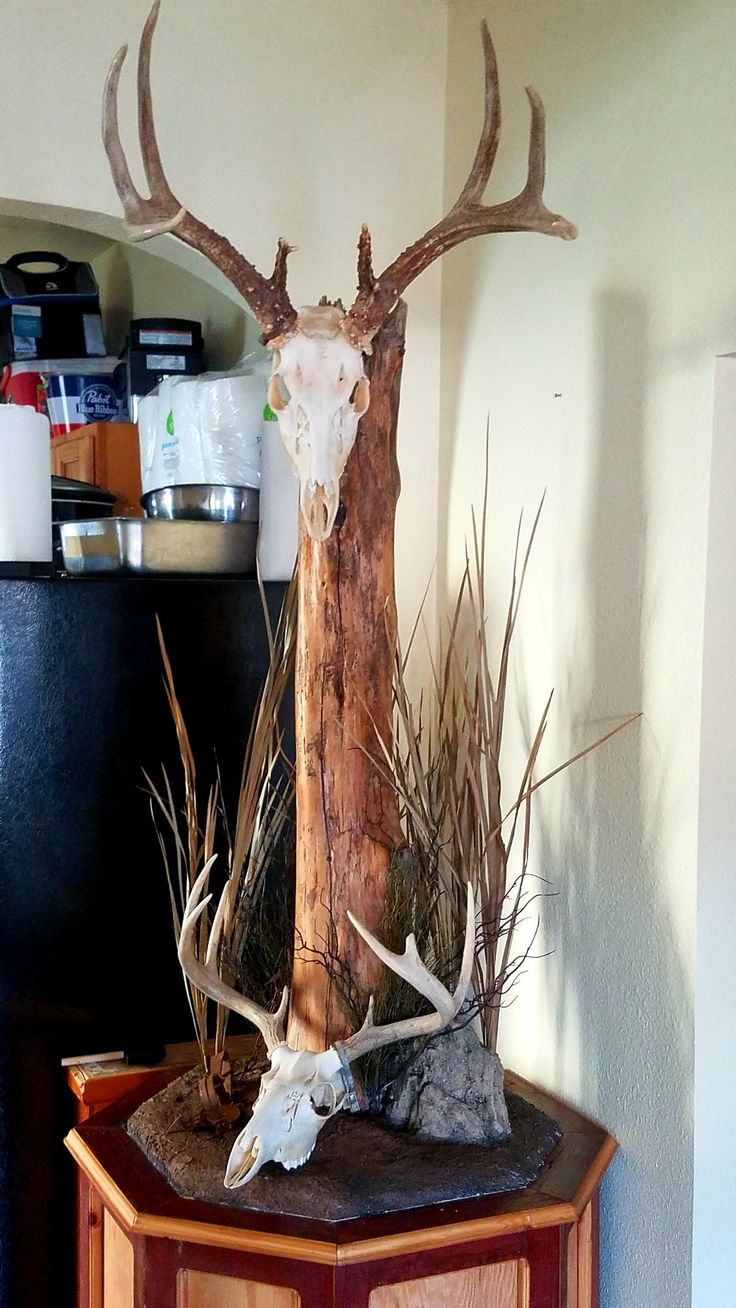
(319, 392)
(299, 1093)
(318, 388)
(302, 1090)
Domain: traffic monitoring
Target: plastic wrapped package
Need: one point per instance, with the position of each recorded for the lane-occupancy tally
(186, 442)
(204, 429)
(168, 457)
(230, 418)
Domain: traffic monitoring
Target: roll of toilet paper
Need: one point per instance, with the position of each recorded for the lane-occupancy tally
(25, 485)
(278, 536)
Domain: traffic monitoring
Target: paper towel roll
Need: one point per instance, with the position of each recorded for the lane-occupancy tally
(25, 485)
(147, 438)
(230, 421)
(170, 447)
(278, 535)
(188, 465)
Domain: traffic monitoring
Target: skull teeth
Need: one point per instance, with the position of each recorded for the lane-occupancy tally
(291, 1164)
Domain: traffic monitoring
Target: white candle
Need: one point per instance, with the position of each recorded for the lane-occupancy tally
(25, 485)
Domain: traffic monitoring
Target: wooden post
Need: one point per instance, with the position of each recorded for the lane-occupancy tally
(347, 815)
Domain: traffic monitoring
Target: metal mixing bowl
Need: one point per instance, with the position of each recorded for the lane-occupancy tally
(202, 503)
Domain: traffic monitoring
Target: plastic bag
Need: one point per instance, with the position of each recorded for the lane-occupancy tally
(203, 430)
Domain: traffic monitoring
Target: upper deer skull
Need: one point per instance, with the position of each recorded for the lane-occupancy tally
(302, 1090)
(318, 380)
(319, 391)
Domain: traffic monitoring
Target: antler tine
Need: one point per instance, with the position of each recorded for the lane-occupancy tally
(206, 977)
(163, 212)
(410, 967)
(468, 217)
(129, 197)
(485, 155)
(537, 147)
(150, 153)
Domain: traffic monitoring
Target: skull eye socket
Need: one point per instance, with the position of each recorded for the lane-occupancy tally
(278, 393)
(324, 1100)
(360, 396)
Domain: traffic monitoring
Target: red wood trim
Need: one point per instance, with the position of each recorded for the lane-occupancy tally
(542, 1249)
(596, 1243)
(163, 1258)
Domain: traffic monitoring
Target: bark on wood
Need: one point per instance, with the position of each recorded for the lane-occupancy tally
(347, 815)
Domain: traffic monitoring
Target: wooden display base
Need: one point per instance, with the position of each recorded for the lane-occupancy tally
(149, 1248)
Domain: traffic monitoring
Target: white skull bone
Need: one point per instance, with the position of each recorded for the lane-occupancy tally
(302, 1089)
(319, 392)
(298, 1094)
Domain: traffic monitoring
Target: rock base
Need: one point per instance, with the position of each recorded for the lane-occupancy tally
(452, 1090)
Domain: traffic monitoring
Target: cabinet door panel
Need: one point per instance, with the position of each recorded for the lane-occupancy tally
(76, 458)
(117, 1275)
(500, 1285)
(206, 1290)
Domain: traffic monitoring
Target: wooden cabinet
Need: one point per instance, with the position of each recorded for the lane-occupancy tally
(105, 454)
(144, 1245)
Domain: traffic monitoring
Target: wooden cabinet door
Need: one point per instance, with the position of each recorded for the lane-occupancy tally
(76, 458)
(499, 1285)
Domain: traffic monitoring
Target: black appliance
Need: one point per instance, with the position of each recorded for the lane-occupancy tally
(156, 348)
(52, 313)
(87, 952)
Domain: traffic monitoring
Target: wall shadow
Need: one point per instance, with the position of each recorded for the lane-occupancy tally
(618, 976)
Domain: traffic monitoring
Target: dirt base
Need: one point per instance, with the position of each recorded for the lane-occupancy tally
(360, 1166)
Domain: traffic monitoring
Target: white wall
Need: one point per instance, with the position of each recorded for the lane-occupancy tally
(594, 363)
(714, 1248)
(301, 120)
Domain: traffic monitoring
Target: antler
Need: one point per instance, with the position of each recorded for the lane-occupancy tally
(266, 296)
(206, 977)
(526, 212)
(410, 966)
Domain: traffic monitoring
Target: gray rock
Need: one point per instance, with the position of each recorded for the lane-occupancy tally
(452, 1090)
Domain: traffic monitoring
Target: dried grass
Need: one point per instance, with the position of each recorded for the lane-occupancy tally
(445, 764)
(189, 837)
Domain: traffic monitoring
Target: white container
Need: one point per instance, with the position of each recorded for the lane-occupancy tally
(278, 539)
(25, 485)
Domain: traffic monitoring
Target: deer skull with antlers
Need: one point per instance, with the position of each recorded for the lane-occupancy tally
(302, 1089)
(319, 389)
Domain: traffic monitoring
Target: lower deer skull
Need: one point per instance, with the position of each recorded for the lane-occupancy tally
(319, 392)
(298, 1094)
(302, 1090)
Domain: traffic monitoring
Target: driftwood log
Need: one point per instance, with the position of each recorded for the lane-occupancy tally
(347, 814)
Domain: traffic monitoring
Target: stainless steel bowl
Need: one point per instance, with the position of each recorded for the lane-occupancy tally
(202, 503)
(143, 547)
